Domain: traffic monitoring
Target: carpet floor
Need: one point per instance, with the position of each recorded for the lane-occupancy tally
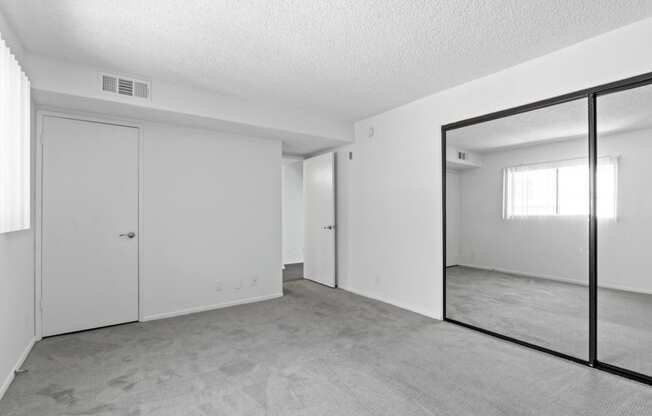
(315, 351)
(293, 271)
(554, 314)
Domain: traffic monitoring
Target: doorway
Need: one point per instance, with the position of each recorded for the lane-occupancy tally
(309, 224)
(293, 244)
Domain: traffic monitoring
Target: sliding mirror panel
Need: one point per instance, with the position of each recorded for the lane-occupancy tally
(517, 227)
(624, 210)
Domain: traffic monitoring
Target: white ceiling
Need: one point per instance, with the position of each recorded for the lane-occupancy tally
(348, 58)
(616, 113)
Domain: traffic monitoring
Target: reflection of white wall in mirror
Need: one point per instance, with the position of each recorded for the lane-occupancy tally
(14, 144)
(292, 211)
(556, 246)
(452, 217)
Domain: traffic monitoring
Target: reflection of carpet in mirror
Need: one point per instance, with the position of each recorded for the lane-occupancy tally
(554, 314)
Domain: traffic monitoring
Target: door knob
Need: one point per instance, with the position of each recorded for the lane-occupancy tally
(130, 234)
(328, 227)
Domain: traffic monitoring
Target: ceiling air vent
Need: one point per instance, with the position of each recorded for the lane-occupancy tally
(141, 89)
(109, 83)
(125, 86)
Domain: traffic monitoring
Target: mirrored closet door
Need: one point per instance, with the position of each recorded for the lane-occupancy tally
(517, 227)
(624, 223)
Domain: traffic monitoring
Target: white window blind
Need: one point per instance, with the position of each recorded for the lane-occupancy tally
(14, 144)
(559, 188)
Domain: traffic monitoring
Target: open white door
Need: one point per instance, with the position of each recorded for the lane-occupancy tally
(90, 221)
(319, 229)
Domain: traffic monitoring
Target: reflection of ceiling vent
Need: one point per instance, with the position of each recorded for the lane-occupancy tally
(461, 155)
(125, 86)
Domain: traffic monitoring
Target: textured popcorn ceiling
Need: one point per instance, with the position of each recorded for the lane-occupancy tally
(350, 58)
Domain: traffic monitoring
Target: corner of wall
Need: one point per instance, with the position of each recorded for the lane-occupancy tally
(19, 363)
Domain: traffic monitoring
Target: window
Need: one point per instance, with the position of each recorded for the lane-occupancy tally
(559, 189)
(14, 144)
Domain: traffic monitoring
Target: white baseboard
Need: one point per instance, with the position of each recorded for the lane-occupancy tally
(558, 279)
(392, 302)
(210, 307)
(19, 363)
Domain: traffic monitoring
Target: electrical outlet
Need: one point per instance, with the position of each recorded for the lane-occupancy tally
(218, 286)
(254, 280)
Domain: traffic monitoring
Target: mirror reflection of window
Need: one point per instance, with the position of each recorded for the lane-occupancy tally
(559, 188)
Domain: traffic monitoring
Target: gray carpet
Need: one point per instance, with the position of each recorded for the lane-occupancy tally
(293, 271)
(554, 314)
(315, 351)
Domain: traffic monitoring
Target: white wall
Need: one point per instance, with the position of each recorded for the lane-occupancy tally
(343, 231)
(16, 300)
(395, 212)
(16, 277)
(292, 171)
(212, 213)
(453, 205)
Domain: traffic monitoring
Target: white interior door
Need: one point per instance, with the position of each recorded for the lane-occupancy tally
(90, 221)
(319, 230)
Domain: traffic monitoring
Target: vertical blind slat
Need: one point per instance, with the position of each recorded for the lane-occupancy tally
(14, 143)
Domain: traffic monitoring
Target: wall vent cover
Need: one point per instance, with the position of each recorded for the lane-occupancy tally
(125, 86)
(109, 83)
(141, 89)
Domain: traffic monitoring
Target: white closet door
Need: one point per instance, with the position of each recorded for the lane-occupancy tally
(90, 221)
(319, 229)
